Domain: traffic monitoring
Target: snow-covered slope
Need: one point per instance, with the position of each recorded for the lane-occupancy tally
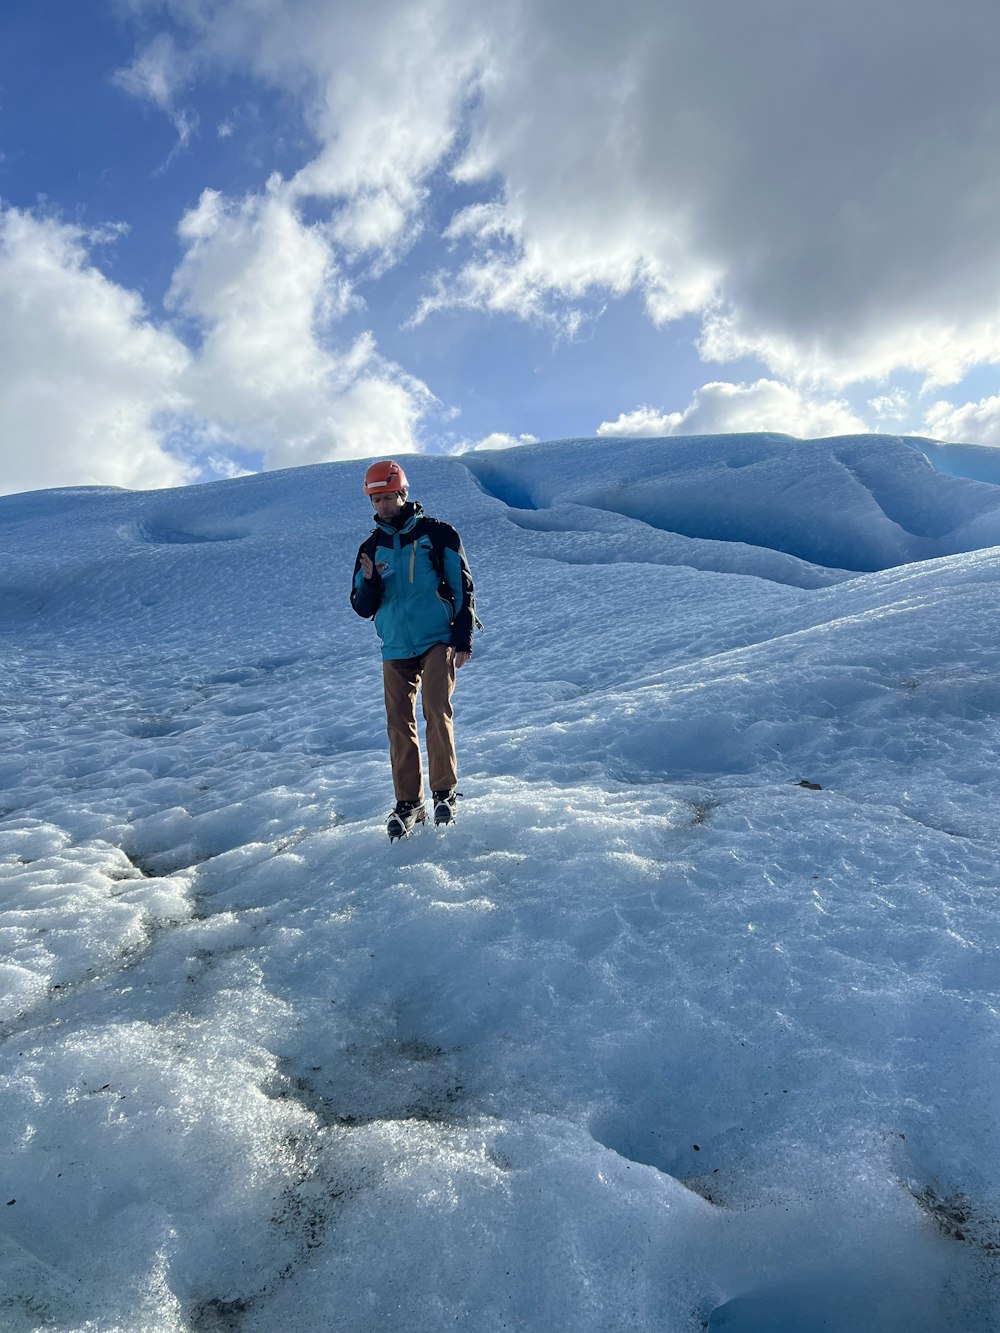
(692, 1020)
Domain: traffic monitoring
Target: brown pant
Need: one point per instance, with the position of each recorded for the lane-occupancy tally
(433, 675)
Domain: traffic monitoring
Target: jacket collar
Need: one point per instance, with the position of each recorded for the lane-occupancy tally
(408, 515)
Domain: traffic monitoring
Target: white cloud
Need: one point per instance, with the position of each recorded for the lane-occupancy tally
(388, 88)
(893, 406)
(971, 423)
(554, 271)
(157, 75)
(933, 340)
(87, 382)
(496, 440)
(642, 421)
(224, 467)
(265, 289)
(381, 88)
(721, 408)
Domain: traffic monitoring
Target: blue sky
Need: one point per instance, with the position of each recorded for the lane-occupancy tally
(239, 235)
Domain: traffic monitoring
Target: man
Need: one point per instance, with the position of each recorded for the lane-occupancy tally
(412, 578)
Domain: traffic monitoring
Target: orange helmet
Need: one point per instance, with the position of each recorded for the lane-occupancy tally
(383, 477)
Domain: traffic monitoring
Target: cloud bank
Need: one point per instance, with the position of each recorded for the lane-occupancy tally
(975, 422)
(720, 408)
(265, 291)
(88, 384)
(817, 187)
(814, 191)
(93, 391)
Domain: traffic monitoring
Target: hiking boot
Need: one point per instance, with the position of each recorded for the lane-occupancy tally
(444, 806)
(403, 818)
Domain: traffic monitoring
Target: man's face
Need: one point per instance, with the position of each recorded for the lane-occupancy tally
(388, 503)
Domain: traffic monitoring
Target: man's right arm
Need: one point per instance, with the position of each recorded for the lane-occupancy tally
(366, 590)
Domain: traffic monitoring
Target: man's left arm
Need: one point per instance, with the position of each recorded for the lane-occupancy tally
(458, 576)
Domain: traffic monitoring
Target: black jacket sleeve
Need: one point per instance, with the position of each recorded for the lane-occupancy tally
(459, 577)
(366, 594)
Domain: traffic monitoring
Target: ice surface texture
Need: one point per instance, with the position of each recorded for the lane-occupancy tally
(690, 1024)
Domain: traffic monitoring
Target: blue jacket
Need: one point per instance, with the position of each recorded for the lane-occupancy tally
(422, 591)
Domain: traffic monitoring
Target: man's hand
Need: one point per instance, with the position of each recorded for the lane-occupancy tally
(459, 659)
(367, 568)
